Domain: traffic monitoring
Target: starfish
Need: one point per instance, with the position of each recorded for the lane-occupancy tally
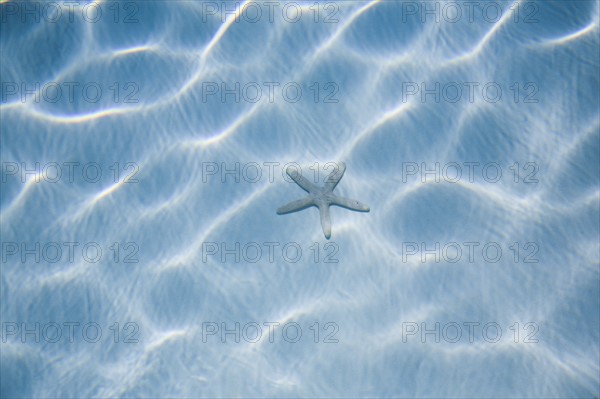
(321, 197)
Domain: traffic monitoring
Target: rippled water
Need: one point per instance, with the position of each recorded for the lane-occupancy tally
(159, 133)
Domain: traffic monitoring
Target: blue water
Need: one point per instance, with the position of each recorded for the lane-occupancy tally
(159, 133)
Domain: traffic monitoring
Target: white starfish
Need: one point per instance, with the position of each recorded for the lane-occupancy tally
(321, 197)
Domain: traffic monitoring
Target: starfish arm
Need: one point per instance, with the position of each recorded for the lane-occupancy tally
(325, 220)
(294, 206)
(334, 177)
(350, 204)
(301, 181)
